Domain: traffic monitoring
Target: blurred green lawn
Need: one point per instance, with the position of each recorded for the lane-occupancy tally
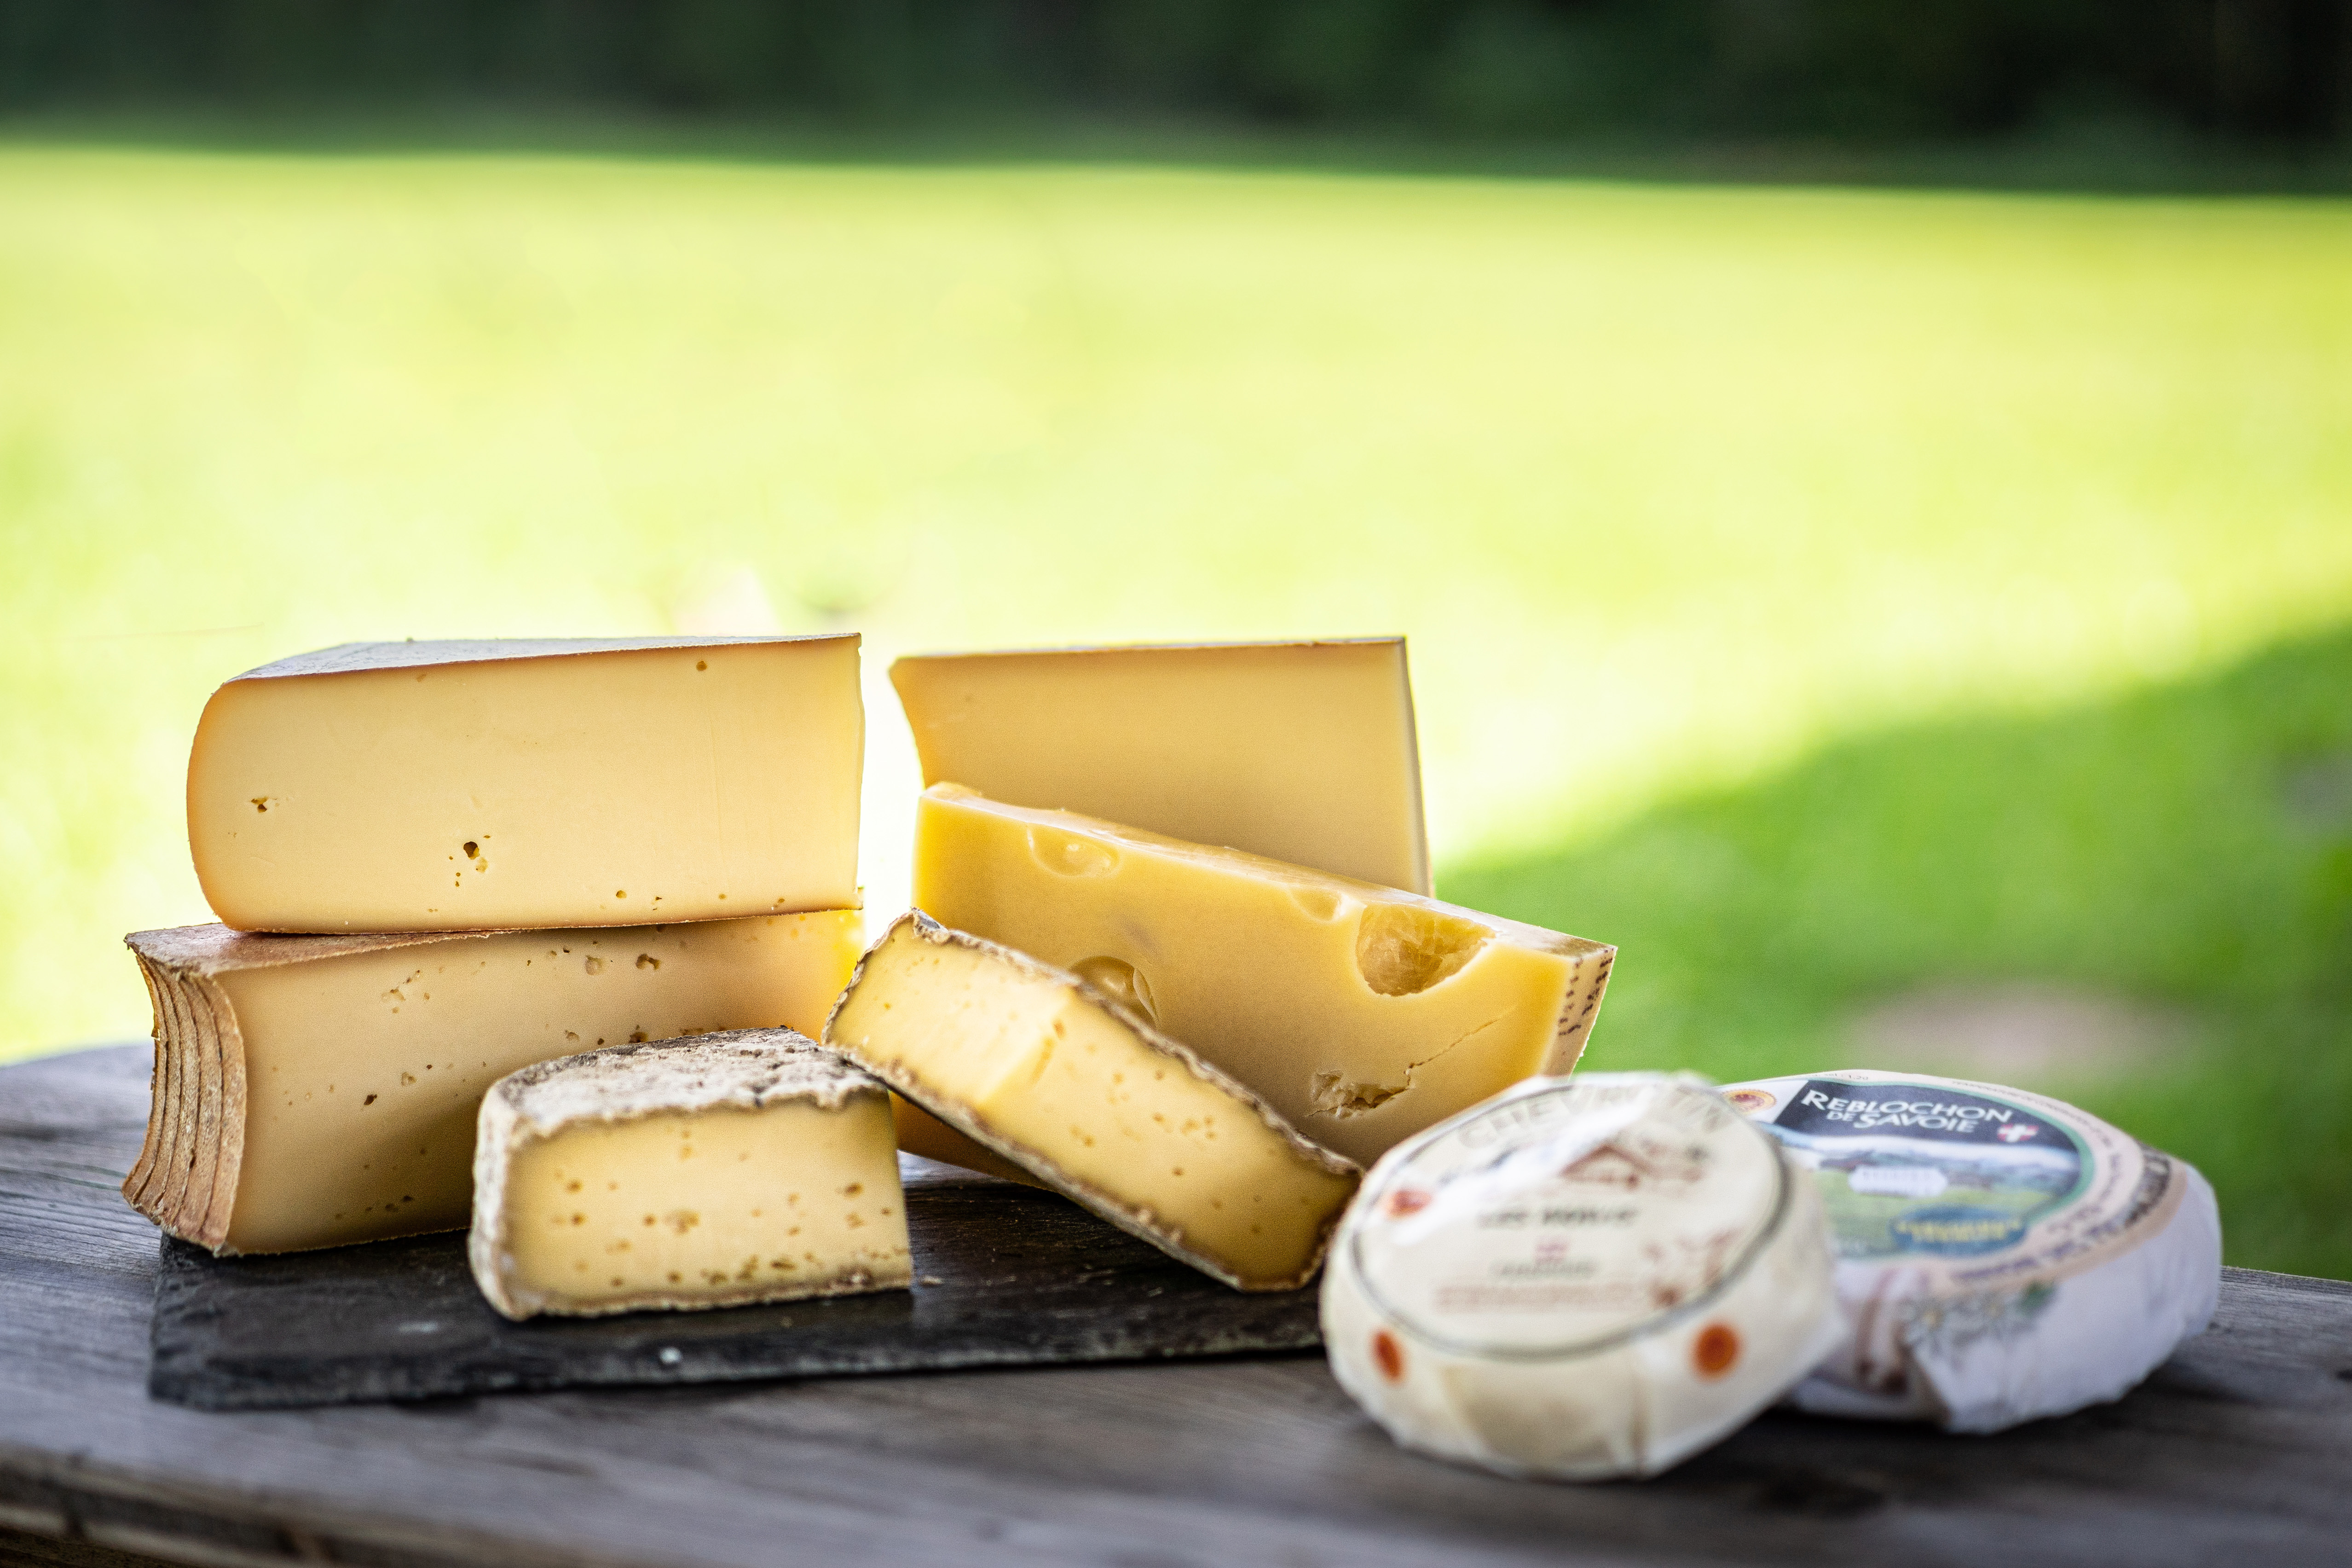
(1814, 591)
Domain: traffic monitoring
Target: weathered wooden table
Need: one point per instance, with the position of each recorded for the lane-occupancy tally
(2241, 1447)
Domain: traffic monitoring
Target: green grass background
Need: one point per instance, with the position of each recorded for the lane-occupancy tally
(1814, 591)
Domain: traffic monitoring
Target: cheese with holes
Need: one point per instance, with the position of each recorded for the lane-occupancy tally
(1055, 1076)
(314, 1090)
(1304, 751)
(1362, 1014)
(742, 1167)
(472, 786)
(2003, 1255)
(1580, 1278)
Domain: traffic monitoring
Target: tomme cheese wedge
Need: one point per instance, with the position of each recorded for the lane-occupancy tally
(472, 786)
(1362, 1014)
(1054, 1076)
(751, 1166)
(1580, 1278)
(2001, 1256)
(314, 1090)
(1304, 751)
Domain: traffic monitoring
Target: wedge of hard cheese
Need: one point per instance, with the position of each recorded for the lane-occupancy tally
(314, 1090)
(1053, 1074)
(1303, 751)
(1362, 1014)
(735, 1168)
(472, 786)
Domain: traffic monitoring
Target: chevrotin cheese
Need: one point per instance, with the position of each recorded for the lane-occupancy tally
(1049, 1072)
(315, 1091)
(1362, 1014)
(473, 786)
(1304, 751)
(1580, 1278)
(2001, 1256)
(742, 1167)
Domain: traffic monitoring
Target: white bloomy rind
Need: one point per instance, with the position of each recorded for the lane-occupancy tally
(1594, 1391)
(841, 1151)
(2089, 1298)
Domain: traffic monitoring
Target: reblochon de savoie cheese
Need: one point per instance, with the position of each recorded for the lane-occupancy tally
(476, 785)
(1060, 1078)
(1362, 1014)
(1582, 1278)
(315, 1091)
(1303, 751)
(717, 1172)
(2002, 1254)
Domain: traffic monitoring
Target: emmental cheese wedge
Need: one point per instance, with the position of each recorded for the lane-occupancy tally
(474, 786)
(751, 1167)
(1362, 1014)
(1304, 750)
(316, 1091)
(1053, 1074)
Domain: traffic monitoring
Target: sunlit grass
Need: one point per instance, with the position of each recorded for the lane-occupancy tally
(1668, 485)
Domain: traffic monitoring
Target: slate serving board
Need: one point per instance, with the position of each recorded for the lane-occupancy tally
(1005, 1275)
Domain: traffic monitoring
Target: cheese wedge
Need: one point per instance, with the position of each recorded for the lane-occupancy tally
(1304, 750)
(1051, 1074)
(473, 786)
(742, 1167)
(1362, 1015)
(315, 1091)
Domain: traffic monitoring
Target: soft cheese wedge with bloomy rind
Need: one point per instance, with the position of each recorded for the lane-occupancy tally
(1303, 751)
(1051, 1075)
(1362, 1014)
(736, 1168)
(317, 1090)
(473, 786)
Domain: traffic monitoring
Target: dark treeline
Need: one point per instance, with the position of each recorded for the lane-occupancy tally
(2274, 70)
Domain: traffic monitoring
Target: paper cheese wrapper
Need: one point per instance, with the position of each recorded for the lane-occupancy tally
(2002, 1254)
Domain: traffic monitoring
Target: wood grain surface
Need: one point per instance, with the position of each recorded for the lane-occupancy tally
(2240, 1448)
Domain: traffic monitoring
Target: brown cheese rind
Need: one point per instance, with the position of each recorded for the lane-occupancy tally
(744, 1068)
(186, 1178)
(1135, 1219)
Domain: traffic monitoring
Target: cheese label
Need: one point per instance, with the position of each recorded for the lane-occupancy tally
(1551, 1224)
(1975, 1185)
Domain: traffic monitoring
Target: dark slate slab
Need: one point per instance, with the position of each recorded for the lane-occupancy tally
(1005, 1275)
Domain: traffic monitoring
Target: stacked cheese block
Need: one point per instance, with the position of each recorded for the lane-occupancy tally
(437, 863)
(1176, 957)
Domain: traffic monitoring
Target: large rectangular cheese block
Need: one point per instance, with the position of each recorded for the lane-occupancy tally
(1303, 751)
(314, 1090)
(1362, 1014)
(735, 1168)
(476, 785)
(1055, 1076)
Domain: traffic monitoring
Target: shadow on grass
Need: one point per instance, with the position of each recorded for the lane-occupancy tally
(2188, 847)
(2087, 158)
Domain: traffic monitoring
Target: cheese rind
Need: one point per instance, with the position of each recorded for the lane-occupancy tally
(318, 1091)
(461, 787)
(1580, 1278)
(1049, 1073)
(735, 1168)
(1304, 752)
(1362, 1014)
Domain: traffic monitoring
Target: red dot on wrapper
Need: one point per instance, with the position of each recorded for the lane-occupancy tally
(1717, 1347)
(1389, 1355)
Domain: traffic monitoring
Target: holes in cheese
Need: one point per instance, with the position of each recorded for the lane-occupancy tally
(1301, 750)
(317, 1090)
(1362, 1014)
(1047, 1072)
(465, 787)
(735, 1168)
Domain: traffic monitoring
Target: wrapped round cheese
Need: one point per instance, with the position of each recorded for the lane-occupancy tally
(1579, 1277)
(2001, 1256)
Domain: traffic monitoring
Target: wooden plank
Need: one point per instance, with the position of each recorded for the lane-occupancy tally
(2236, 1449)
